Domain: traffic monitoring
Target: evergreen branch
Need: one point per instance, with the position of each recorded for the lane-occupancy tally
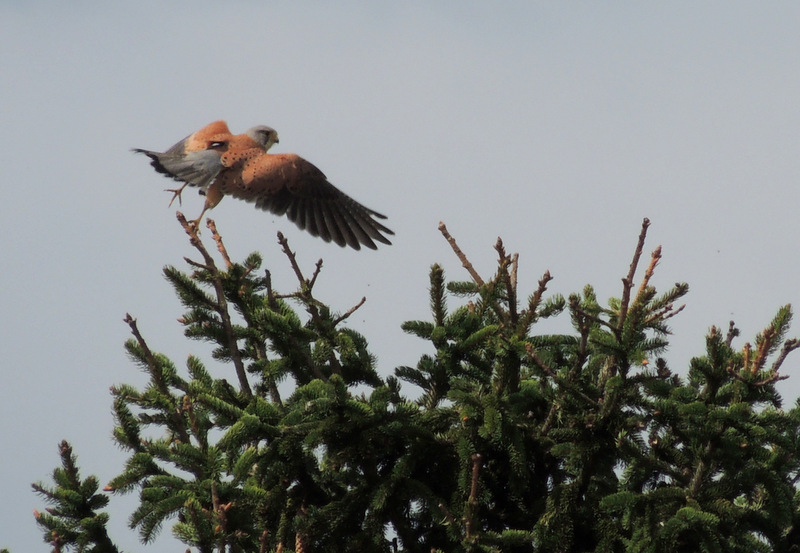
(305, 295)
(773, 376)
(74, 521)
(222, 304)
(220, 245)
(552, 374)
(437, 295)
(768, 337)
(663, 314)
(460, 254)
(627, 282)
(533, 303)
(178, 423)
(272, 300)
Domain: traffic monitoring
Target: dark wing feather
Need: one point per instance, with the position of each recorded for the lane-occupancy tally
(286, 184)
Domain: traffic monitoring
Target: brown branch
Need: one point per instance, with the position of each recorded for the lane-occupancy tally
(472, 502)
(513, 285)
(768, 337)
(317, 270)
(627, 282)
(221, 305)
(510, 278)
(460, 254)
(733, 332)
(220, 245)
(196, 264)
(772, 377)
(655, 257)
(292, 259)
(538, 360)
(262, 541)
(663, 314)
(551, 417)
(148, 354)
(349, 311)
(447, 514)
(788, 347)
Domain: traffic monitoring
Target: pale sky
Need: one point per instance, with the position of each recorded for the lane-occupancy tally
(555, 125)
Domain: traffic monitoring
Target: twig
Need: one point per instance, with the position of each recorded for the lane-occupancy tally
(463, 258)
(763, 349)
(551, 417)
(538, 360)
(654, 259)
(262, 540)
(292, 259)
(317, 270)
(349, 311)
(627, 282)
(788, 347)
(447, 514)
(733, 332)
(472, 502)
(510, 278)
(575, 306)
(665, 313)
(151, 359)
(196, 264)
(514, 266)
(218, 239)
(221, 305)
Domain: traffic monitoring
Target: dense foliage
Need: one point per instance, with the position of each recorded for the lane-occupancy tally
(516, 442)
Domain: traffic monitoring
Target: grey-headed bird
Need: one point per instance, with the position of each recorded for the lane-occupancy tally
(222, 164)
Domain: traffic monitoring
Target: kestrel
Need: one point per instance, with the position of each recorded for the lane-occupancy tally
(221, 164)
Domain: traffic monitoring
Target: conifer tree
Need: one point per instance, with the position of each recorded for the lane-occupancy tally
(517, 441)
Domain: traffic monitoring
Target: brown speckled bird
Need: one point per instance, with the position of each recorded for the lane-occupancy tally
(221, 164)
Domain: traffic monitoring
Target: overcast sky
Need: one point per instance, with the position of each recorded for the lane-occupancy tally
(557, 126)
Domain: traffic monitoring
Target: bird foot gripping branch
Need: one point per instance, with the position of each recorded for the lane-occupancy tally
(223, 164)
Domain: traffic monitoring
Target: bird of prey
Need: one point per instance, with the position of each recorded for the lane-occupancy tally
(221, 164)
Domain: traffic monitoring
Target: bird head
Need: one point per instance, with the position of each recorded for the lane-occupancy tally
(265, 136)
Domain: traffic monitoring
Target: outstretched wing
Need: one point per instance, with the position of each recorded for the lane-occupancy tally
(286, 184)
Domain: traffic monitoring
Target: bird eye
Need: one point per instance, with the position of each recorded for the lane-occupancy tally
(219, 144)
